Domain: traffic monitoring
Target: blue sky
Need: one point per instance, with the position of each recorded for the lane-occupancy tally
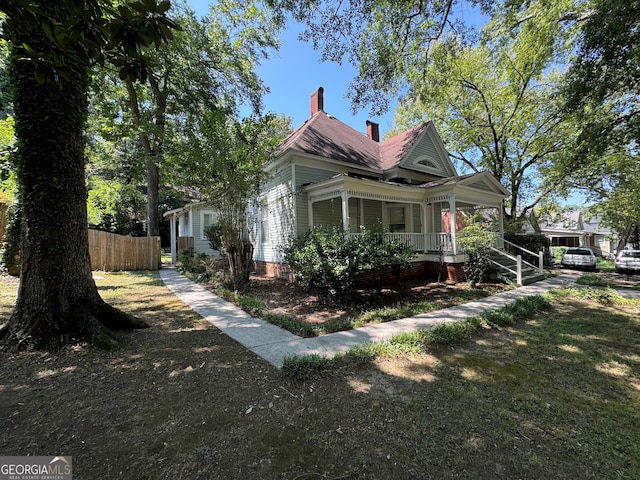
(294, 72)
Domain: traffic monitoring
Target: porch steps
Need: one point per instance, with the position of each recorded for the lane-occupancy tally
(504, 267)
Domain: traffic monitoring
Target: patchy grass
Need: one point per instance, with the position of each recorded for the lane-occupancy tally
(309, 315)
(605, 265)
(593, 280)
(553, 394)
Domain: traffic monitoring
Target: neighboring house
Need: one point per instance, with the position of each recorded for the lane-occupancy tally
(571, 229)
(187, 227)
(327, 173)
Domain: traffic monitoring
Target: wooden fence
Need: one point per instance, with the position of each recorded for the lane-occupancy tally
(185, 243)
(111, 252)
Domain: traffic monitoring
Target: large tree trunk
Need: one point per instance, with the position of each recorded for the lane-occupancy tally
(57, 300)
(150, 151)
(153, 198)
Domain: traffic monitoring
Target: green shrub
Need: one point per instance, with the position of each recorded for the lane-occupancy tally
(213, 234)
(534, 242)
(329, 258)
(374, 252)
(476, 241)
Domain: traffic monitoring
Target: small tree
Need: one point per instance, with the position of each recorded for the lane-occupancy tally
(475, 240)
(226, 160)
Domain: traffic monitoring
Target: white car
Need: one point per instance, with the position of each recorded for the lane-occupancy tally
(579, 257)
(628, 261)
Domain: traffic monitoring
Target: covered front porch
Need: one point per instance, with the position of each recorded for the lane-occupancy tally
(427, 216)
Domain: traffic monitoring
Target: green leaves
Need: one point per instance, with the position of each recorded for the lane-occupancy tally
(91, 31)
(331, 259)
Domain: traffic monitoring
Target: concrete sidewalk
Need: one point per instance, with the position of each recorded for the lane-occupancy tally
(274, 344)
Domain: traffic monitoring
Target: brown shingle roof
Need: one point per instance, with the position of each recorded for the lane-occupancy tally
(328, 137)
(394, 149)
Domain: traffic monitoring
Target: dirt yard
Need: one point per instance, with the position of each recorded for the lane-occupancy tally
(317, 307)
(181, 400)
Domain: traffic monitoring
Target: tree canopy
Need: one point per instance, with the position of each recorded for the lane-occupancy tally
(496, 112)
(541, 91)
(209, 65)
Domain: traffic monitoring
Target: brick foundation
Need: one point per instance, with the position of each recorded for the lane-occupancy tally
(428, 270)
(271, 269)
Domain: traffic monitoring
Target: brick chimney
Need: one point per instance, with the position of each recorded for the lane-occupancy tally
(373, 131)
(317, 101)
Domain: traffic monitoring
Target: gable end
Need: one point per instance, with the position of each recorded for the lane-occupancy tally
(429, 155)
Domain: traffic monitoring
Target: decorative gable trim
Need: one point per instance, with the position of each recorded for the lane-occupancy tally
(484, 181)
(429, 155)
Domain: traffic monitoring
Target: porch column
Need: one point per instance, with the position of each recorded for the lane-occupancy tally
(423, 210)
(172, 232)
(452, 221)
(345, 211)
(501, 226)
(310, 212)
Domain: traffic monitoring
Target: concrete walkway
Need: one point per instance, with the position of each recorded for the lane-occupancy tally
(274, 344)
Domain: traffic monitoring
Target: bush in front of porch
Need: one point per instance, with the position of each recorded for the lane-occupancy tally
(328, 257)
(475, 240)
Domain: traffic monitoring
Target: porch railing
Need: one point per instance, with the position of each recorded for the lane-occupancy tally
(424, 242)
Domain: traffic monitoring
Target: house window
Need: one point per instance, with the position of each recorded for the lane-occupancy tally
(264, 222)
(207, 219)
(397, 218)
(427, 163)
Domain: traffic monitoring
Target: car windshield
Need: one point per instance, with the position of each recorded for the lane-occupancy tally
(631, 254)
(578, 251)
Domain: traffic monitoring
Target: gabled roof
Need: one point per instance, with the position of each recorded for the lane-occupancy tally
(394, 149)
(573, 221)
(570, 221)
(326, 136)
